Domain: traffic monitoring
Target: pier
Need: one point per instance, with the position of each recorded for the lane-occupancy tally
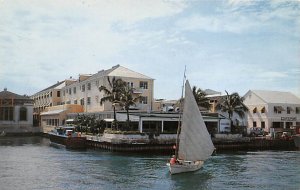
(245, 143)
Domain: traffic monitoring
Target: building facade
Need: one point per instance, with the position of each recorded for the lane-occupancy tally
(272, 109)
(16, 113)
(85, 91)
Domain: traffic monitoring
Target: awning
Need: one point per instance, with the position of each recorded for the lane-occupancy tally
(70, 120)
(279, 108)
(52, 112)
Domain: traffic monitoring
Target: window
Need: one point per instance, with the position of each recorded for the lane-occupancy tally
(75, 101)
(70, 91)
(130, 84)
(144, 100)
(289, 110)
(288, 125)
(6, 113)
(297, 110)
(278, 109)
(23, 114)
(58, 93)
(254, 110)
(88, 101)
(278, 124)
(143, 85)
(263, 125)
(74, 90)
(68, 102)
(83, 88)
(88, 86)
(82, 101)
(254, 124)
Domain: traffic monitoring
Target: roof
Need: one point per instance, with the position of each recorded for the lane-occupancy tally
(212, 92)
(7, 94)
(53, 112)
(124, 72)
(56, 85)
(277, 97)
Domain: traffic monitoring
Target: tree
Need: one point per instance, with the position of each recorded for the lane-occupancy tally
(85, 123)
(112, 93)
(127, 100)
(200, 97)
(232, 103)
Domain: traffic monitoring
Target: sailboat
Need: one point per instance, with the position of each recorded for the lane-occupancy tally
(194, 144)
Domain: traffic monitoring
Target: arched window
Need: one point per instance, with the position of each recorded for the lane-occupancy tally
(23, 114)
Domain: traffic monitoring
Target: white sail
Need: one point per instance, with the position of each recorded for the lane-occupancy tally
(195, 141)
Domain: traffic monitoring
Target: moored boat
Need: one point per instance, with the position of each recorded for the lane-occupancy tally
(66, 135)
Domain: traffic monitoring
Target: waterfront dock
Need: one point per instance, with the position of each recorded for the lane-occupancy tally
(167, 146)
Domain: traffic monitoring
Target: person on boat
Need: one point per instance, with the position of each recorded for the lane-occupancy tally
(173, 160)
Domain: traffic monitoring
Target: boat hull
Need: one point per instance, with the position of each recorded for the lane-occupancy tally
(68, 142)
(185, 167)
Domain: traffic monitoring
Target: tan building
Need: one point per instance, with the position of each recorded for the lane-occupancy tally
(48, 97)
(272, 109)
(56, 115)
(85, 91)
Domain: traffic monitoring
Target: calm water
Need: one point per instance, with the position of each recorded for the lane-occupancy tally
(31, 163)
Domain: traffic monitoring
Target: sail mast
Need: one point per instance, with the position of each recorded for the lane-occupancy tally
(180, 114)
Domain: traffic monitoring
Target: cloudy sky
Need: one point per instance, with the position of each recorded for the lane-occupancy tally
(232, 45)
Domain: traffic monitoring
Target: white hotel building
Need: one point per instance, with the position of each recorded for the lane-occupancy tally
(272, 109)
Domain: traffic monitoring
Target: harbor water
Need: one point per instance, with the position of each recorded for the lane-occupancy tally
(33, 163)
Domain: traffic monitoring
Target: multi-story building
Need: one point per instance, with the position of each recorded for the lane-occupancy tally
(82, 95)
(272, 109)
(85, 91)
(48, 97)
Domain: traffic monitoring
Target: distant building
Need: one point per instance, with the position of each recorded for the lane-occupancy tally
(272, 109)
(16, 113)
(225, 124)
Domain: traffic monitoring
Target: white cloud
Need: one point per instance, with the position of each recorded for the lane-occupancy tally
(43, 37)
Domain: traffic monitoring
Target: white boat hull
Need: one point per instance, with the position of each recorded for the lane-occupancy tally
(185, 166)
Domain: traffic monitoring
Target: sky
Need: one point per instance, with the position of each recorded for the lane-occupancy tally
(232, 45)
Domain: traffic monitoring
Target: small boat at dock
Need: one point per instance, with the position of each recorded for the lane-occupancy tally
(66, 135)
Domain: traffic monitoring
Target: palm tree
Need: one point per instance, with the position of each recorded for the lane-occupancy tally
(112, 93)
(200, 97)
(128, 100)
(232, 103)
